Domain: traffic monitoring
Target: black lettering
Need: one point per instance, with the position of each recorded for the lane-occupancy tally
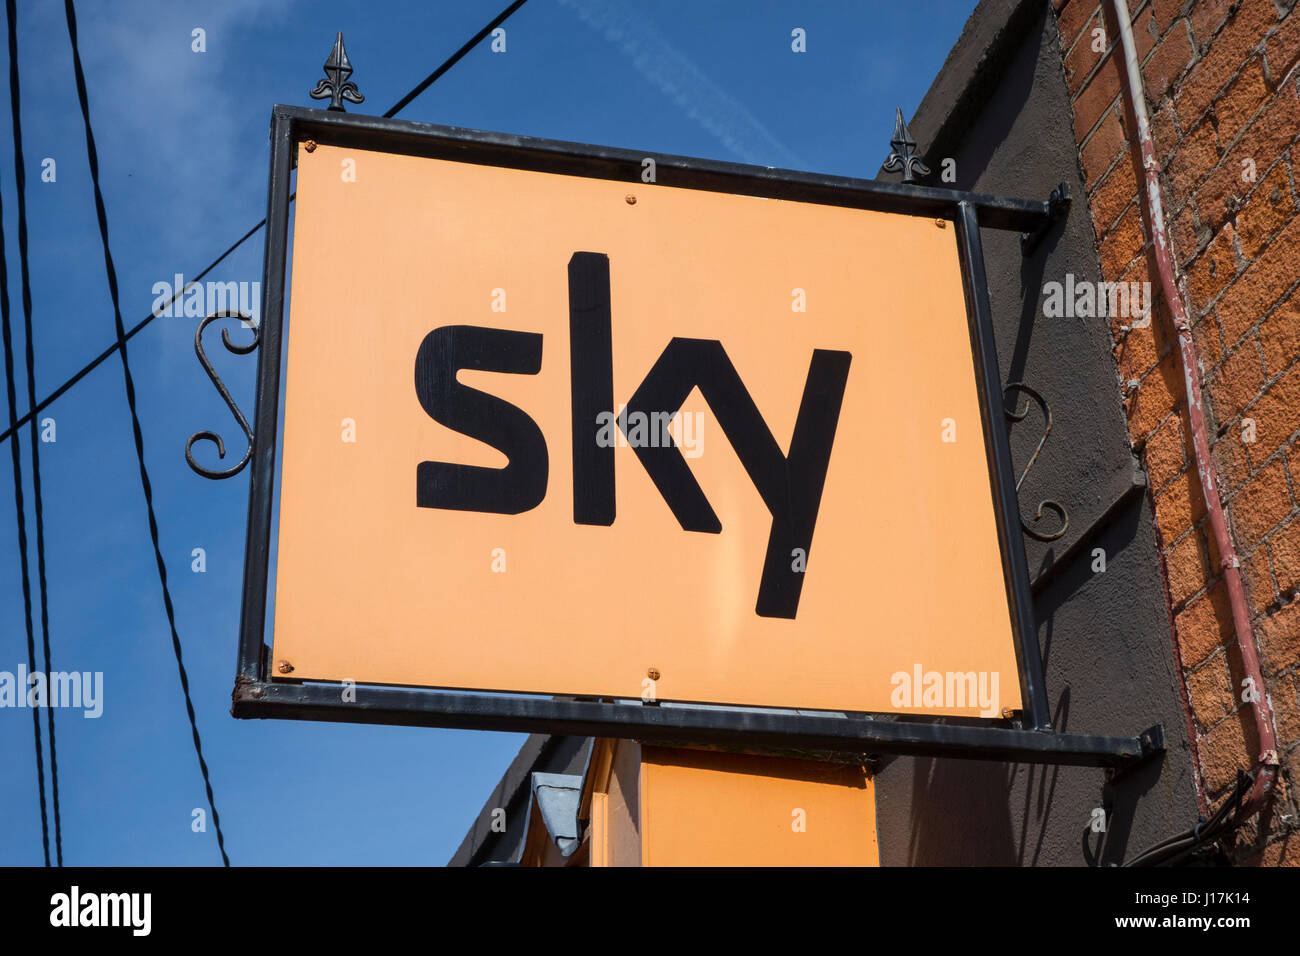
(591, 362)
(521, 484)
(791, 486)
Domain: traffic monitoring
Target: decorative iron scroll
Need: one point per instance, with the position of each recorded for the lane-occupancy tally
(225, 395)
(1017, 415)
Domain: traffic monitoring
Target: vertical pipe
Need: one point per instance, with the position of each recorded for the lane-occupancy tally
(1229, 563)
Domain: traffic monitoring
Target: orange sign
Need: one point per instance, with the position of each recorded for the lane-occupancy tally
(562, 435)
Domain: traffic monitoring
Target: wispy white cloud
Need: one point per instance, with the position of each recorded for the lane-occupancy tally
(678, 77)
(155, 98)
(180, 137)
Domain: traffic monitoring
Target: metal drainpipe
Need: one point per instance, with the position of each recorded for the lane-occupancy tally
(1231, 566)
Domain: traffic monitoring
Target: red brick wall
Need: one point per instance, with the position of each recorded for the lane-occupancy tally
(1223, 92)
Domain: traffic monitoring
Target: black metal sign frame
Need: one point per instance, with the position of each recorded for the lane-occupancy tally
(1026, 736)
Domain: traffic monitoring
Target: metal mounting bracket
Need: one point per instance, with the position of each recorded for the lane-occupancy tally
(1058, 204)
(1151, 741)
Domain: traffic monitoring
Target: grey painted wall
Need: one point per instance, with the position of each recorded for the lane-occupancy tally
(1001, 109)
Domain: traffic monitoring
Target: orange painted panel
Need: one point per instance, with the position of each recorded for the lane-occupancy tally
(712, 809)
(903, 571)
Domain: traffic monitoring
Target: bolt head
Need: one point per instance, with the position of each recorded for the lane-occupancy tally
(285, 667)
(309, 145)
(652, 673)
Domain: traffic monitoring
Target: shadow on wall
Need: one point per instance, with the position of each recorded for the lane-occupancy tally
(965, 812)
(962, 795)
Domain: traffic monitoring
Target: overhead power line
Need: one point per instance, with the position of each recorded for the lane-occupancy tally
(252, 231)
(118, 346)
(16, 456)
(102, 215)
(98, 359)
(20, 184)
(452, 60)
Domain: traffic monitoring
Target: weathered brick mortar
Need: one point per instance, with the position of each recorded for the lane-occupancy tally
(1223, 86)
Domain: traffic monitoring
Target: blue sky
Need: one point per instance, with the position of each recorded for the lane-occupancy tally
(182, 140)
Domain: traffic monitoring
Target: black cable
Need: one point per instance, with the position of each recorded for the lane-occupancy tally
(1177, 848)
(95, 362)
(20, 181)
(15, 454)
(102, 215)
(400, 105)
(452, 60)
(123, 336)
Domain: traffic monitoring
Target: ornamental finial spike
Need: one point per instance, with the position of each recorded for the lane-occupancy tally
(903, 156)
(336, 85)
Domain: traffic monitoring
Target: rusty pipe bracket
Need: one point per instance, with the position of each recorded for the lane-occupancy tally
(1058, 204)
